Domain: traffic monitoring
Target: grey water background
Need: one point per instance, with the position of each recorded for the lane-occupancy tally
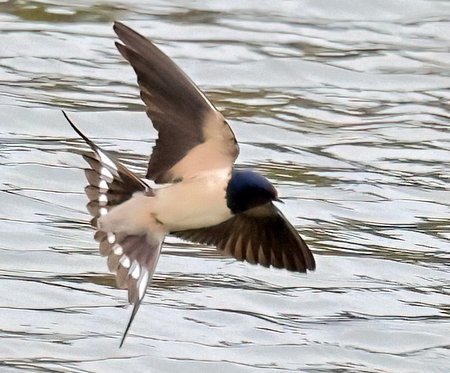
(344, 105)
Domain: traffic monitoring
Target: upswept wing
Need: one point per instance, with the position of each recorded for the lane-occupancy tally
(193, 135)
(261, 235)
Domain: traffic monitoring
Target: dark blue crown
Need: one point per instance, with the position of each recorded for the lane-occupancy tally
(247, 189)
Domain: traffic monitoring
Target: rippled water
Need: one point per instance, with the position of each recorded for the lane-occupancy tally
(343, 104)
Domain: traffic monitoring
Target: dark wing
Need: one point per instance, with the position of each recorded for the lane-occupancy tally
(193, 135)
(132, 257)
(261, 235)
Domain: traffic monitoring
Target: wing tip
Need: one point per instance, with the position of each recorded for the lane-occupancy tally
(127, 34)
(123, 50)
(120, 28)
(308, 263)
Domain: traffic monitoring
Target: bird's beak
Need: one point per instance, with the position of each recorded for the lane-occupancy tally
(278, 200)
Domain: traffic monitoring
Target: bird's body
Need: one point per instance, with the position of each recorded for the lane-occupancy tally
(200, 197)
(201, 201)
(192, 203)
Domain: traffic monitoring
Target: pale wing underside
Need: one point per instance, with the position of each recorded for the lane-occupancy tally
(192, 135)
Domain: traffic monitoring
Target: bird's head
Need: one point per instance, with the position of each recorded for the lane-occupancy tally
(247, 189)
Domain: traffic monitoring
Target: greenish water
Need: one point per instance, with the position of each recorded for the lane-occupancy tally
(344, 105)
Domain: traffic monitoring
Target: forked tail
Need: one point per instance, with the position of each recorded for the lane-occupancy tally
(132, 257)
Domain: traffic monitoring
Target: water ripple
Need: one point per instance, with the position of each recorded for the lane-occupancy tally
(343, 105)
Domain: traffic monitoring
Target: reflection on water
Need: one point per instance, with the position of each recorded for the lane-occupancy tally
(344, 106)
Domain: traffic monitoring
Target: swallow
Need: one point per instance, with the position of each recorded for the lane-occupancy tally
(199, 195)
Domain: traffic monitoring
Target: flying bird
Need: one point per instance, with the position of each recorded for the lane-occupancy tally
(202, 197)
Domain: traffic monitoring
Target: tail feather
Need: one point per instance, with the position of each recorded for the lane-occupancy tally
(132, 257)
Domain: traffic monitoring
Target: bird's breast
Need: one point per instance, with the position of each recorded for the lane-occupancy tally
(193, 203)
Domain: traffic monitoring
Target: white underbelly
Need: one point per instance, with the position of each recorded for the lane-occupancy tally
(194, 203)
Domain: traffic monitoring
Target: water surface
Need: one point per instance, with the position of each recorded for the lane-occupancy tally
(344, 105)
